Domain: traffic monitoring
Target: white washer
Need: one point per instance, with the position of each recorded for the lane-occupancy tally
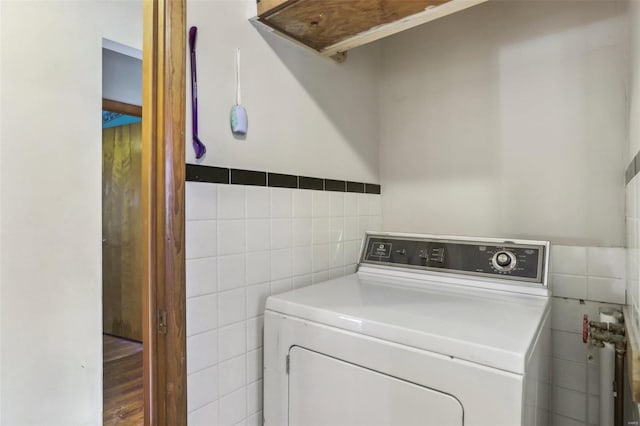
(430, 331)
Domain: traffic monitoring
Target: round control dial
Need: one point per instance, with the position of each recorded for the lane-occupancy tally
(504, 261)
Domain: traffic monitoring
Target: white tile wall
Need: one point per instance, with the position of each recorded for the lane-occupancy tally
(589, 273)
(575, 391)
(569, 260)
(583, 280)
(633, 267)
(244, 243)
(633, 248)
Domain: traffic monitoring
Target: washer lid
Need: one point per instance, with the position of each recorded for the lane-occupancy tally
(496, 329)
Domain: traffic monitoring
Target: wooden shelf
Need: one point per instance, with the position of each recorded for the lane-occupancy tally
(331, 27)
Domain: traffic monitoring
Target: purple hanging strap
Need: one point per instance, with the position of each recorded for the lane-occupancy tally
(198, 146)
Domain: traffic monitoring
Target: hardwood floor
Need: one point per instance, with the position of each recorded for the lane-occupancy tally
(123, 389)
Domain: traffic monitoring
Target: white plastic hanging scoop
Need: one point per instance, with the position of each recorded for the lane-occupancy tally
(239, 118)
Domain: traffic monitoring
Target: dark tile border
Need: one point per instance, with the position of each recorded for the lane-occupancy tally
(200, 173)
(629, 173)
(355, 187)
(197, 173)
(632, 169)
(305, 182)
(371, 188)
(282, 181)
(335, 185)
(248, 177)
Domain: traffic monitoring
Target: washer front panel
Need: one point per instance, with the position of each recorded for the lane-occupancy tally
(327, 391)
(521, 261)
(489, 396)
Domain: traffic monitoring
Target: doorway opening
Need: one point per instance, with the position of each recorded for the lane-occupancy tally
(122, 263)
(162, 218)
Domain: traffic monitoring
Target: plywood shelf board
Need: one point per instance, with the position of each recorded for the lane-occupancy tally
(409, 22)
(330, 27)
(271, 6)
(321, 24)
(261, 26)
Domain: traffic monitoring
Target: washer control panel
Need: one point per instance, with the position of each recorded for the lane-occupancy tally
(492, 258)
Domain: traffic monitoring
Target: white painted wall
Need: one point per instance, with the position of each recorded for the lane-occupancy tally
(1, 180)
(51, 84)
(634, 85)
(508, 119)
(307, 115)
(121, 77)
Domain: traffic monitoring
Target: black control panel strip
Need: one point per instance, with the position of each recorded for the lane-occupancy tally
(503, 260)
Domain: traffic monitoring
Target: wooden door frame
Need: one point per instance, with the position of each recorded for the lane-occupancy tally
(121, 107)
(163, 221)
